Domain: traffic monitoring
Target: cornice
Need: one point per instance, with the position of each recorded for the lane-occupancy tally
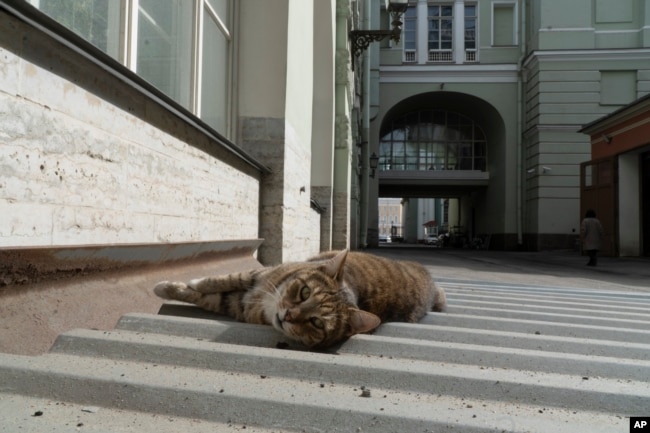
(502, 73)
(594, 55)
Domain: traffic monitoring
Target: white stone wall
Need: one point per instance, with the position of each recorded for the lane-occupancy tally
(76, 170)
(300, 227)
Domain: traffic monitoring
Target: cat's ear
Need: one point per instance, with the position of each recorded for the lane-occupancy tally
(362, 321)
(334, 266)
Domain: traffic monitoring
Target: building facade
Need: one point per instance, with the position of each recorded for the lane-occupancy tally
(615, 183)
(173, 122)
(482, 102)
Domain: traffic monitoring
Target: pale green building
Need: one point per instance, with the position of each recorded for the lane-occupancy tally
(176, 122)
(480, 105)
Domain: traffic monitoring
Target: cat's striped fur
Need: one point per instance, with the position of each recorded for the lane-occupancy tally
(319, 302)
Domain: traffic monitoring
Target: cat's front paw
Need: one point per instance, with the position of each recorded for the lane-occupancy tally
(196, 283)
(169, 289)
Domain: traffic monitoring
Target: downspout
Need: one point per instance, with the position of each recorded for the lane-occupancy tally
(520, 122)
(365, 129)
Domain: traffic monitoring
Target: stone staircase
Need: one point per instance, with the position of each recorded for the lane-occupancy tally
(504, 358)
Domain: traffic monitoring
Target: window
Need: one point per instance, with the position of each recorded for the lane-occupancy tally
(164, 57)
(183, 53)
(440, 18)
(430, 31)
(215, 60)
(470, 33)
(409, 34)
(97, 21)
(432, 140)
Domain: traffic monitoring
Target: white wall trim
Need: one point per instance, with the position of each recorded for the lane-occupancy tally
(449, 74)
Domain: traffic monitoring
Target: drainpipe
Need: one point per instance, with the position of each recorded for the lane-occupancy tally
(365, 134)
(520, 126)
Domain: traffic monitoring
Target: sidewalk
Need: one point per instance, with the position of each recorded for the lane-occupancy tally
(556, 268)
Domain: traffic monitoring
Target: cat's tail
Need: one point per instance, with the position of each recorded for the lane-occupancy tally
(439, 298)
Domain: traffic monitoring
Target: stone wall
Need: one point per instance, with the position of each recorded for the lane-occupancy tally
(286, 218)
(85, 159)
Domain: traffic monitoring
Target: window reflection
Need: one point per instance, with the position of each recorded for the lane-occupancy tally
(432, 140)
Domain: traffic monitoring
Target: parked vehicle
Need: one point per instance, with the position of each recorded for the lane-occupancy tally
(431, 239)
(384, 239)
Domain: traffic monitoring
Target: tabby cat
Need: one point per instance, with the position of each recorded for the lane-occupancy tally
(320, 302)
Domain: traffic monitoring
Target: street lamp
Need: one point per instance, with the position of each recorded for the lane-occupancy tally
(374, 162)
(361, 39)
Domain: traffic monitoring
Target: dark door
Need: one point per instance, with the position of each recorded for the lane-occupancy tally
(645, 202)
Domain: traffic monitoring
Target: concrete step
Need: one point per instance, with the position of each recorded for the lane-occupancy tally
(402, 396)
(423, 345)
(627, 320)
(475, 371)
(41, 415)
(591, 345)
(522, 305)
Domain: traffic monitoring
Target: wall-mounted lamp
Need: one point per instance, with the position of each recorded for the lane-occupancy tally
(544, 170)
(374, 163)
(607, 138)
(361, 39)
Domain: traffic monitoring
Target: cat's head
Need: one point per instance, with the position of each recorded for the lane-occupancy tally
(313, 307)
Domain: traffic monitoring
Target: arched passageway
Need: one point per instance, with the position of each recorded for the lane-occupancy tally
(442, 154)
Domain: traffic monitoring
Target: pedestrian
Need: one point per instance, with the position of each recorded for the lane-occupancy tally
(591, 232)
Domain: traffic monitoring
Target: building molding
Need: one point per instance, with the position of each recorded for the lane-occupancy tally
(551, 127)
(587, 55)
(449, 74)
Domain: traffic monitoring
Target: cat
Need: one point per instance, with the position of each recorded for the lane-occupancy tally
(320, 302)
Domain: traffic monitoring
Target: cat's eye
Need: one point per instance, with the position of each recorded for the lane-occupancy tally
(305, 293)
(318, 323)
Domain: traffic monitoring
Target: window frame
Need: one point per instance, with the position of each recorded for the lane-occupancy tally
(403, 146)
(124, 49)
(440, 54)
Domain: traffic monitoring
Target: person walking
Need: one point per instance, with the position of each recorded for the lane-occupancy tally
(591, 232)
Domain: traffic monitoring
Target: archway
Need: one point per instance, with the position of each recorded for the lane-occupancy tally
(443, 153)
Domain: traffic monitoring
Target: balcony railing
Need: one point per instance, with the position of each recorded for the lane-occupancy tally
(410, 56)
(440, 56)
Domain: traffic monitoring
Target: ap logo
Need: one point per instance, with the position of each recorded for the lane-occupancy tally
(640, 424)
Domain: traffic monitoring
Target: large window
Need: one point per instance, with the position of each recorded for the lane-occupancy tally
(432, 140)
(182, 47)
(216, 58)
(441, 21)
(97, 21)
(164, 57)
(409, 34)
(431, 31)
(470, 33)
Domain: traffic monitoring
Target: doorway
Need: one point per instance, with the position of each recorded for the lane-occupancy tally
(645, 202)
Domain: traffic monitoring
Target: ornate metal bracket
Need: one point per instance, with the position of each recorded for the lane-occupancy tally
(361, 39)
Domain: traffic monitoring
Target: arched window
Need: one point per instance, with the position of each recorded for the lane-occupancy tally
(432, 140)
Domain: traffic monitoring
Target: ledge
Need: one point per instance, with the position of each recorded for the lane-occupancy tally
(23, 266)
